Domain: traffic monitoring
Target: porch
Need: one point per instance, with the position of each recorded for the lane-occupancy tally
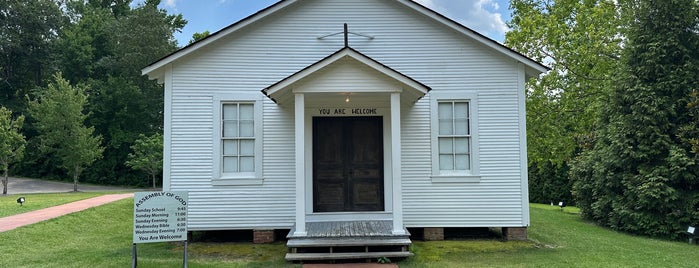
(342, 240)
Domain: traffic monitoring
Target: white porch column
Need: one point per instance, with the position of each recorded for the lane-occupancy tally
(396, 165)
(299, 117)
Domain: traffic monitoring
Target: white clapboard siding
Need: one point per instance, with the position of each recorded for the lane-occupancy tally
(280, 45)
(496, 200)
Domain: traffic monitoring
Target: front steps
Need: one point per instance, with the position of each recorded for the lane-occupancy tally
(345, 240)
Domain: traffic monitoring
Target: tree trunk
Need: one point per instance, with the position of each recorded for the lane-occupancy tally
(153, 177)
(75, 179)
(4, 183)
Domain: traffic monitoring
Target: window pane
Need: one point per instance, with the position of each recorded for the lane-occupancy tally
(445, 118)
(445, 110)
(230, 128)
(462, 162)
(461, 127)
(247, 164)
(230, 164)
(246, 111)
(230, 112)
(446, 145)
(461, 145)
(247, 128)
(461, 110)
(445, 127)
(461, 118)
(247, 147)
(230, 147)
(446, 162)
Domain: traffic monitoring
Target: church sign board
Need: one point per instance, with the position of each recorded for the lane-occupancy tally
(160, 216)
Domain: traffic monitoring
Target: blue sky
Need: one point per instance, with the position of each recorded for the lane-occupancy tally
(487, 17)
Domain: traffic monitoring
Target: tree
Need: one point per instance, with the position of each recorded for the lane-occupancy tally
(147, 155)
(83, 43)
(144, 35)
(690, 133)
(641, 175)
(122, 103)
(58, 112)
(198, 36)
(27, 31)
(125, 103)
(579, 40)
(11, 142)
(117, 7)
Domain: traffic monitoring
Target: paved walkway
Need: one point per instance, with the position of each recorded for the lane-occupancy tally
(31, 186)
(19, 220)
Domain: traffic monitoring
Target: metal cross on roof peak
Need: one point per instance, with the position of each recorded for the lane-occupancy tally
(346, 34)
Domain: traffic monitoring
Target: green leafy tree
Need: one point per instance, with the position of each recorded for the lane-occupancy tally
(122, 103)
(641, 175)
(125, 103)
(59, 119)
(11, 142)
(198, 36)
(28, 29)
(144, 35)
(82, 44)
(147, 155)
(579, 40)
(690, 133)
(116, 7)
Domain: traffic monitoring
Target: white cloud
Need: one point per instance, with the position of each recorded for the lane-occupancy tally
(485, 19)
(483, 16)
(170, 3)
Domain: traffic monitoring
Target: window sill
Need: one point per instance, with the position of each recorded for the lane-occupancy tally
(455, 178)
(236, 181)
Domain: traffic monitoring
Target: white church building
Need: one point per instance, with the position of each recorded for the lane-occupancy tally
(347, 121)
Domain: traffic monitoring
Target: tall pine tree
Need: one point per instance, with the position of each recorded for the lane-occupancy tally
(641, 175)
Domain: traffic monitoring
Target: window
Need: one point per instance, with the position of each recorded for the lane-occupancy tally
(238, 137)
(454, 137)
(237, 144)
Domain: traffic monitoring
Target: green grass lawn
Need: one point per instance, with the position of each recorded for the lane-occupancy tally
(559, 239)
(101, 237)
(9, 205)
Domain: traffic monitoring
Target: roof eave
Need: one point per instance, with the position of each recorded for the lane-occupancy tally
(535, 65)
(530, 63)
(186, 50)
(278, 88)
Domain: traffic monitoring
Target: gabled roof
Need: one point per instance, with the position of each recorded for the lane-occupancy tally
(410, 86)
(154, 70)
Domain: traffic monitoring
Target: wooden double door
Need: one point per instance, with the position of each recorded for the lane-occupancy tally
(348, 160)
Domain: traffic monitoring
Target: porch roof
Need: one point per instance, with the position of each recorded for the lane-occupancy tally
(411, 89)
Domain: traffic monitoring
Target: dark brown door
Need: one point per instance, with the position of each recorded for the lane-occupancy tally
(347, 164)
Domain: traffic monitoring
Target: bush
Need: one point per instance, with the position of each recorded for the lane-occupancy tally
(548, 182)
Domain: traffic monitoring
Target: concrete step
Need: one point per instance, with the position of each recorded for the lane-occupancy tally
(345, 255)
(347, 242)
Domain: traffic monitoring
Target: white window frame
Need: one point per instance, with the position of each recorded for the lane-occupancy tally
(472, 175)
(237, 178)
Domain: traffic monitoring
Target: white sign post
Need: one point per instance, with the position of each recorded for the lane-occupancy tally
(160, 217)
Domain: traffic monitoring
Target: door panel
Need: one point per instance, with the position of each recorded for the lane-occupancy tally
(348, 164)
